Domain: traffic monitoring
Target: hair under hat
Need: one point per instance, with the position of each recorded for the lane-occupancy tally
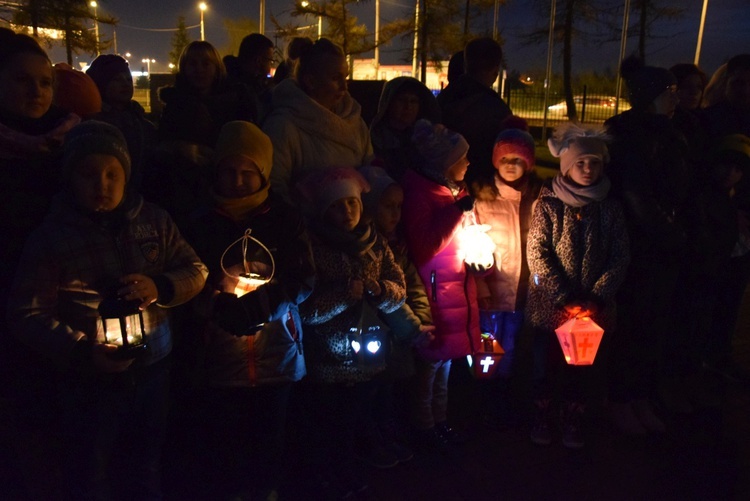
(94, 137)
(645, 83)
(105, 68)
(570, 142)
(438, 147)
(515, 139)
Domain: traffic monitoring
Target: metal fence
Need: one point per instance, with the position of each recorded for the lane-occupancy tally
(592, 108)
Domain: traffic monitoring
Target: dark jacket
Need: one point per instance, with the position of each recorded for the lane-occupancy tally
(274, 353)
(477, 112)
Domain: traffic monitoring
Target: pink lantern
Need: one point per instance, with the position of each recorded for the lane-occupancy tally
(579, 339)
(476, 247)
(483, 363)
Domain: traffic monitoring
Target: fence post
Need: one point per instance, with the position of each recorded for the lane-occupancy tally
(583, 106)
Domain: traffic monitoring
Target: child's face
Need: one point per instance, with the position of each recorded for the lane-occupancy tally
(690, 92)
(403, 110)
(586, 170)
(666, 102)
(238, 177)
(119, 90)
(344, 213)
(98, 182)
(457, 171)
(389, 209)
(200, 71)
(26, 85)
(511, 167)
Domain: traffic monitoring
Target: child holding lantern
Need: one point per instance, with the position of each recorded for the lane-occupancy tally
(250, 337)
(356, 274)
(506, 203)
(436, 205)
(101, 243)
(578, 253)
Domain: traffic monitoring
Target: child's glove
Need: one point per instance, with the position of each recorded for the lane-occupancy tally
(241, 316)
(466, 204)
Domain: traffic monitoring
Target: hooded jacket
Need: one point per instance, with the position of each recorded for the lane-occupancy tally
(307, 137)
(431, 223)
(73, 261)
(393, 147)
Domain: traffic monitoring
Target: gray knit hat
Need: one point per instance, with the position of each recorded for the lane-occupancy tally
(92, 137)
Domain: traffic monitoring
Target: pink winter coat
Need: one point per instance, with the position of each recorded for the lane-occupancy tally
(431, 222)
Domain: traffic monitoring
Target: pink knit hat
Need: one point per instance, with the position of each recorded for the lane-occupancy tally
(515, 139)
(322, 188)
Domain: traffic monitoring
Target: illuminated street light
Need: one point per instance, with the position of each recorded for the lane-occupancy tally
(305, 3)
(148, 65)
(96, 23)
(202, 6)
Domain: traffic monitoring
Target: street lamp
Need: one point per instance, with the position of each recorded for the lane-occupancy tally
(96, 23)
(305, 3)
(202, 6)
(148, 65)
(700, 33)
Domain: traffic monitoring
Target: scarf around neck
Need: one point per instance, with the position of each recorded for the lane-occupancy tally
(355, 243)
(240, 209)
(576, 195)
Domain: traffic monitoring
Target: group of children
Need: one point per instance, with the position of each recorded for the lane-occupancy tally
(366, 260)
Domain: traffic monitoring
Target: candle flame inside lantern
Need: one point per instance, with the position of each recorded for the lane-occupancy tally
(248, 282)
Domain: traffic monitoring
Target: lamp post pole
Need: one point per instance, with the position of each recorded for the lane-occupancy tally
(700, 33)
(202, 7)
(96, 23)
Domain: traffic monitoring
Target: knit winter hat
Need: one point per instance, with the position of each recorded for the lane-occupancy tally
(379, 181)
(570, 142)
(515, 139)
(245, 139)
(322, 188)
(734, 149)
(645, 83)
(437, 146)
(76, 92)
(106, 67)
(94, 137)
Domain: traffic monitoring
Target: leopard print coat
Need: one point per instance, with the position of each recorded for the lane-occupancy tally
(575, 254)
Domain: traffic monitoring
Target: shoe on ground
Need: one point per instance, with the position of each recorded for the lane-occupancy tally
(379, 457)
(572, 426)
(451, 435)
(645, 413)
(624, 419)
(673, 395)
(431, 441)
(541, 431)
(400, 452)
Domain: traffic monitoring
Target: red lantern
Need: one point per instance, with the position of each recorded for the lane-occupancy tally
(579, 339)
(483, 363)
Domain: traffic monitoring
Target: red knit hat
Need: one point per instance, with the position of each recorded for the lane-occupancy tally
(516, 140)
(76, 92)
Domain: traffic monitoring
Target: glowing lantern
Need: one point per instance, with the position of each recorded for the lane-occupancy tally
(368, 341)
(476, 247)
(123, 326)
(484, 363)
(253, 264)
(579, 339)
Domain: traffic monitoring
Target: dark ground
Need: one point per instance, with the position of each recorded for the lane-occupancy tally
(704, 456)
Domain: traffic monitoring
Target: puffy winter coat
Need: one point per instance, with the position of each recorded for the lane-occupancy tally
(508, 211)
(274, 354)
(575, 254)
(307, 137)
(431, 224)
(73, 261)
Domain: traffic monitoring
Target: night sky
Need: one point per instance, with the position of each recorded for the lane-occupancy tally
(727, 31)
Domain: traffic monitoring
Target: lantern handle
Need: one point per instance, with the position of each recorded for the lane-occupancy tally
(243, 240)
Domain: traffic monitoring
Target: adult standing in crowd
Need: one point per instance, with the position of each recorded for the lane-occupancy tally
(650, 175)
(252, 67)
(472, 108)
(404, 100)
(314, 123)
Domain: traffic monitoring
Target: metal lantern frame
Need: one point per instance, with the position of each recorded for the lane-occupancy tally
(127, 314)
(484, 363)
(247, 281)
(579, 340)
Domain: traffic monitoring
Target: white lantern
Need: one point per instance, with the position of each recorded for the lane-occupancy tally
(476, 247)
(248, 263)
